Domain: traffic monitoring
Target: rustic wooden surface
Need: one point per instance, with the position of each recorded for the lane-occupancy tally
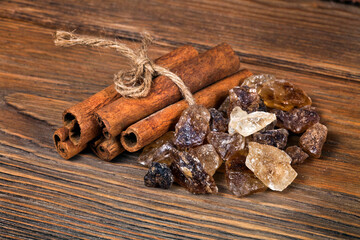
(315, 44)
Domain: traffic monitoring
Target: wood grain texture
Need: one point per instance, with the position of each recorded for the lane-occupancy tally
(320, 37)
(47, 109)
(45, 197)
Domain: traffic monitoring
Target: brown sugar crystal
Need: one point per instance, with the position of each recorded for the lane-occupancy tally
(271, 165)
(245, 99)
(189, 173)
(297, 155)
(218, 122)
(298, 119)
(159, 151)
(283, 95)
(276, 137)
(240, 180)
(208, 157)
(192, 127)
(255, 82)
(228, 146)
(313, 140)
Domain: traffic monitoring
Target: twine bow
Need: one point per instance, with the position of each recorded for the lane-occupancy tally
(136, 82)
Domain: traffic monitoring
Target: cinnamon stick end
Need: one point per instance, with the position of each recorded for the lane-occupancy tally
(64, 146)
(130, 140)
(107, 149)
(71, 122)
(61, 135)
(104, 124)
(63, 150)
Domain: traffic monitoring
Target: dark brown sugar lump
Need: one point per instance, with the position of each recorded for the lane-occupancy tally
(218, 122)
(192, 127)
(298, 119)
(297, 155)
(277, 137)
(228, 146)
(246, 99)
(159, 175)
(313, 140)
(189, 173)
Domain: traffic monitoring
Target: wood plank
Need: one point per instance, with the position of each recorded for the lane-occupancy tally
(42, 108)
(72, 74)
(292, 34)
(93, 190)
(43, 196)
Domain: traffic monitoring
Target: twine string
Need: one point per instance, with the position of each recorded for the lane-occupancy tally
(135, 82)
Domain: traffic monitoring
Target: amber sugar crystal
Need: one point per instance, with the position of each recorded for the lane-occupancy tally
(271, 165)
(283, 95)
(208, 157)
(158, 151)
(240, 180)
(255, 82)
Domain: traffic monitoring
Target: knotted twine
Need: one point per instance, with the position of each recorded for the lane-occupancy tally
(135, 82)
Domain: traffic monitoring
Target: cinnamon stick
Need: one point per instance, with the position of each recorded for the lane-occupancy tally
(154, 126)
(80, 125)
(64, 146)
(86, 127)
(197, 73)
(61, 135)
(107, 149)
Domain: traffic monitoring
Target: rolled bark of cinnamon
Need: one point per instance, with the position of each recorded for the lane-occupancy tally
(154, 126)
(80, 125)
(61, 135)
(197, 73)
(67, 149)
(107, 149)
(64, 146)
(85, 127)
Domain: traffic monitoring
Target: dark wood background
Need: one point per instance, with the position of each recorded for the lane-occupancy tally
(315, 44)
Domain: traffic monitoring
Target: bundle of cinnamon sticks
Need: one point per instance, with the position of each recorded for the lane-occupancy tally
(111, 124)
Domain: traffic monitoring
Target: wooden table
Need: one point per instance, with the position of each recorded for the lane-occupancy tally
(315, 44)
